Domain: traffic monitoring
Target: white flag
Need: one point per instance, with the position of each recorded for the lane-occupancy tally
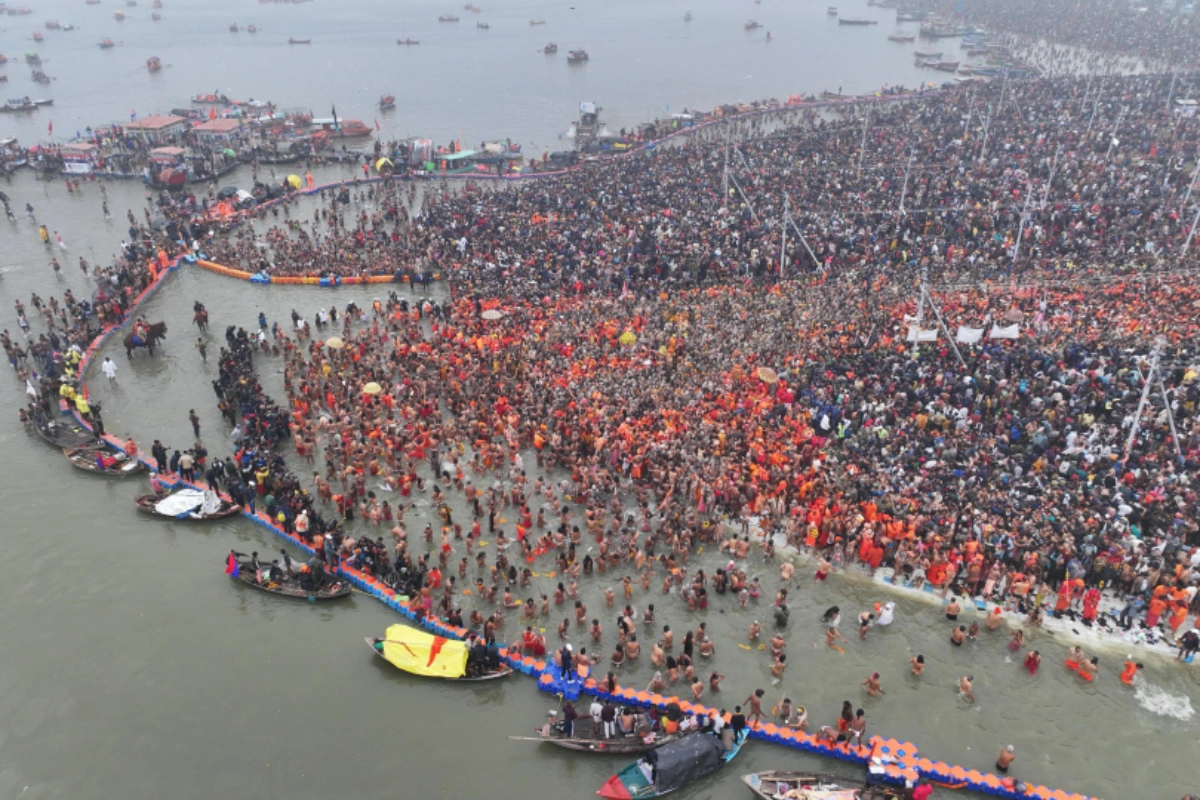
(916, 334)
(1011, 332)
(967, 335)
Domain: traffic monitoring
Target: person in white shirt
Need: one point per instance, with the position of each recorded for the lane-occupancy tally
(595, 709)
(110, 369)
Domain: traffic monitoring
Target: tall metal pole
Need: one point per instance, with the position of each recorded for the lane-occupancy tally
(1095, 106)
(862, 146)
(904, 189)
(1050, 180)
(1112, 139)
(1171, 91)
(1192, 233)
(783, 240)
(1021, 227)
(920, 310)
(1187, 197)
(1155, 354)
(725, 172)
(987, 125)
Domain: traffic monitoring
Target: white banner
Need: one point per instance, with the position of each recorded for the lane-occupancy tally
(916, 334)
(967, 335)
(1011, 332)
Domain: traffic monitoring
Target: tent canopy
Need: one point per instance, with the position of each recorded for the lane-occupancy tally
(425, 654)
(686, 759)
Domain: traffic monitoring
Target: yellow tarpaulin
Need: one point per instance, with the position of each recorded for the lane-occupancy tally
(424, 654)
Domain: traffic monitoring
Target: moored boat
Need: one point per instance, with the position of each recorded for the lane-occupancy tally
(419, 653)
(902, 37)
(342, 128)
(302, 586)
(188, 505)
(772, 785)
(99, 459)
(587, 737)
(211, 99)
(65, 435)
(844, 21)
(928, 53)
(667, 768)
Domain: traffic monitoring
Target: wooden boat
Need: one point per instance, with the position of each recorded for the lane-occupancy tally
(87, 458)
(106, 43)
(211, 99)
(902, 37)
(537, 22)
(832, 11)
(64, 435)
(299, 41)
(421, 653)
(119, 15)
(752, 25)
(928, 53)
(687, 17)
(944, 66)
(290, 587)
(844, 21)
(40, 77)
(550, 49)
(154, 63)
(38, 36)
(483, 26)
(407, 41)
(775, 784)
(448, 18)
(251, 29)
(674, 764)
(156, 16)
(577, 56)
(387, 102)
(587, 738)
(234, 28)
(151, 504)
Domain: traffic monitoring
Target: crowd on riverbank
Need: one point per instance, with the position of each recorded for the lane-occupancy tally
(1050, 177)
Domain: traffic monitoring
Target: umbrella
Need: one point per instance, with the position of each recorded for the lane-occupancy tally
(372, 388)
(335, 343)
(767, 375)
(627, 338)
(383, 162)
(229, 152)
(226, 192)
(294, 181)
(492, 313)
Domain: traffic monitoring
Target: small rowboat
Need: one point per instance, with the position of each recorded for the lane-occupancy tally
(189, 510)
(586, 739)
(290, 587)
(87, 458)
(421, 653)
(675, 764)
(299, 41)
(770, 785)
(65, 435)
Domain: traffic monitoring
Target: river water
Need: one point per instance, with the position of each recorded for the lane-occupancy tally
(131, 667)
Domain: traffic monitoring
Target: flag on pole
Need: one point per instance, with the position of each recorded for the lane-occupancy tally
(50, 128)
(212, 113)
(377, 125)
(335, 122)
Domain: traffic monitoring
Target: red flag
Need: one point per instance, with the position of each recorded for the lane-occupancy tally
(50, 128)
(212, 113)
(377, 125)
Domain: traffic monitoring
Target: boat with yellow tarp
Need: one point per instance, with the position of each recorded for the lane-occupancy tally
(421, 653)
